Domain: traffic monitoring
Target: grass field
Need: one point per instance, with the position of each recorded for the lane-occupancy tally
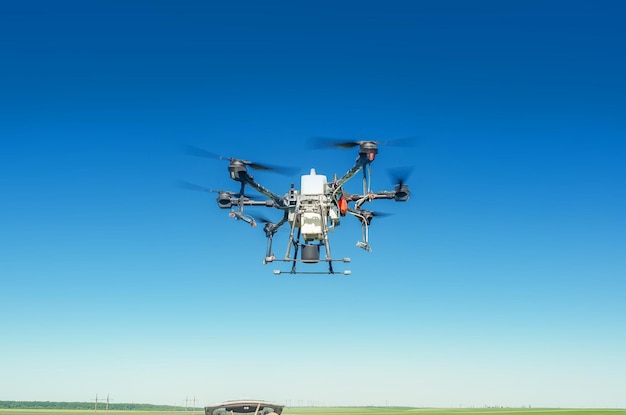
(344, 411)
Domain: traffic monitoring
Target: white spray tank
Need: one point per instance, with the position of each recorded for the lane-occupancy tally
(313, 184)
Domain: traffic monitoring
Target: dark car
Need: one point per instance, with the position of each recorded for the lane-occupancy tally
(244, 407)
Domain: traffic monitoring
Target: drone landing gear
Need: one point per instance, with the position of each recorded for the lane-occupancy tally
(364, 245)
(309, 254)
(330, 267)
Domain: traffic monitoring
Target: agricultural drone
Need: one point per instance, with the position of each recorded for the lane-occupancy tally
(310, 212)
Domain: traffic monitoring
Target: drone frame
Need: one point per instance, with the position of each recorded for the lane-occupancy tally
(329, 206)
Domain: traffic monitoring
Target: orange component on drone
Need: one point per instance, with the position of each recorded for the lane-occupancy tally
(343, 206)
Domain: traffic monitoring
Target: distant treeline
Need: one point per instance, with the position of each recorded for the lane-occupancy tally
(89, 405)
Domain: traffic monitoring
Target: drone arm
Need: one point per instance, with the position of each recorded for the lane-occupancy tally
(278, 200)
(281, 222)
(383, 195)
(243, 217)
(271, 228)
(229, 202)
(360, 162)
(365, 217)
(400, 193)
(398, 196)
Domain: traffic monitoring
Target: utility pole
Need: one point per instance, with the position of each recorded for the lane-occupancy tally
(107, 407)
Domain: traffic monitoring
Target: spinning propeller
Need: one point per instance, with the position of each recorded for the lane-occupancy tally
(198, 188)
(399, 176)
(368, 215)
(325, 142)
(199, 152)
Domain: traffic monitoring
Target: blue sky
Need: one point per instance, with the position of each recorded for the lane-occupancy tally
(501, 281)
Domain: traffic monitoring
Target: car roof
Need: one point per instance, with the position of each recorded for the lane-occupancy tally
(244, 406)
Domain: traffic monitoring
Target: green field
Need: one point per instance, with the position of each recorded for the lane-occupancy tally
(91, 412)
(439, 411)
(343, 411)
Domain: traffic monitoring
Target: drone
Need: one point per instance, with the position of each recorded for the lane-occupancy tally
(310, 212)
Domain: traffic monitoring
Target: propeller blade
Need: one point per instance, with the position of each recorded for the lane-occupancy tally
(366, 216)
(399, 175)
(375, 213)
(325, 142)
(400, 142)
(285, 171)
(191, 186)
(199, 152)
(262, 219)
(382, 214)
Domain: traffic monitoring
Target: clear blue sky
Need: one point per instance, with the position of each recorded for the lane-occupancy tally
(500, 282)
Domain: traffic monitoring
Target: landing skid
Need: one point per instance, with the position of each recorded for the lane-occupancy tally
(294, 262)
(279, 272)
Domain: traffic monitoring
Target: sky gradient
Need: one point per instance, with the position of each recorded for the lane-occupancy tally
(500, 282)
